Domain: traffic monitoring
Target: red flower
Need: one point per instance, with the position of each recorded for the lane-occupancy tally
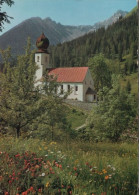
(10, 181)
(17, 155)
(31, 188)
(103, 193)
(24, 193)
(75, 169)
(39, 190)
(6, 193)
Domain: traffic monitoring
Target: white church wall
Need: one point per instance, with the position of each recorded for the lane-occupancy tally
(74, 93)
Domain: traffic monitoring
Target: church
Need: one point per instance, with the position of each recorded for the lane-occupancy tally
(76, 80)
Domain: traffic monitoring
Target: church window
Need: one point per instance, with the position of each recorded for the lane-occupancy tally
(38, 58)
(68, 88)
(61, 91)
(76, 89)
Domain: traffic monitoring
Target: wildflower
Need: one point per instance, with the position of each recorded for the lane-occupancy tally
(110, 176)
(39, 190)
(6, 193)
(52, 143)
(37, 166)
(31, 188)
(103, 193)
(106, 177)
(75, 169)
(17, 155)
(113, 168)
(104, 171)
(24, 193)
(47, 184)
(43, 174)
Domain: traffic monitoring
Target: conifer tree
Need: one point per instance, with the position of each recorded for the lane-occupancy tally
(3, 15)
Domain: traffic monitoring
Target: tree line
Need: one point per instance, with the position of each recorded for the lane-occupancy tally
(116, 41)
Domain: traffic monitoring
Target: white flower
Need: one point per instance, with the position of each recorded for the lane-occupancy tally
(113, 168)
(43, 174)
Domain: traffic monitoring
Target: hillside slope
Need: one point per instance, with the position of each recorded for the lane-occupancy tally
(114, 42)
(57, 33)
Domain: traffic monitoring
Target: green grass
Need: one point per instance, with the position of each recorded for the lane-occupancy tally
(75, 117)
(79, 167)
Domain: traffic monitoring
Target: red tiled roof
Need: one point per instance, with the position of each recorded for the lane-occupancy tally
(69, 75)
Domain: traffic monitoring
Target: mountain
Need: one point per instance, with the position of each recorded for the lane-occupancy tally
(115, 42)
(16, 38)
(110, 20)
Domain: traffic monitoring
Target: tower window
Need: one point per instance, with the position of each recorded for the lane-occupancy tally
(38, 58)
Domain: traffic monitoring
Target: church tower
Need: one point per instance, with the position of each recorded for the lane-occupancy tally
(41, 56)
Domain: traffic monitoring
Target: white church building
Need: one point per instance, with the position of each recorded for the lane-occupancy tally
(76, 80)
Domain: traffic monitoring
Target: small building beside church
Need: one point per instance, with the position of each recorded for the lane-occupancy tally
(76, 80)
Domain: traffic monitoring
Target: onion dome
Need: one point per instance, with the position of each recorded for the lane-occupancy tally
(42, 43)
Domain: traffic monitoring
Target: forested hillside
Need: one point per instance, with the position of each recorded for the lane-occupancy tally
(115, 42)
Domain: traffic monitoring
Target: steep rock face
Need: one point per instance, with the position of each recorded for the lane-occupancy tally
(110, 20)
(16, 38)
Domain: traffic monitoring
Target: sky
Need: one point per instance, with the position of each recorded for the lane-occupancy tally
(67, 12)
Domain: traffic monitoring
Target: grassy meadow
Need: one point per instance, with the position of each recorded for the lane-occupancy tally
(33, 166)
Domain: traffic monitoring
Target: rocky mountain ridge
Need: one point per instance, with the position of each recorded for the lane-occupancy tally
(16, 38)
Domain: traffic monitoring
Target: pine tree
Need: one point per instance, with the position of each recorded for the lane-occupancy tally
(3, 15)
